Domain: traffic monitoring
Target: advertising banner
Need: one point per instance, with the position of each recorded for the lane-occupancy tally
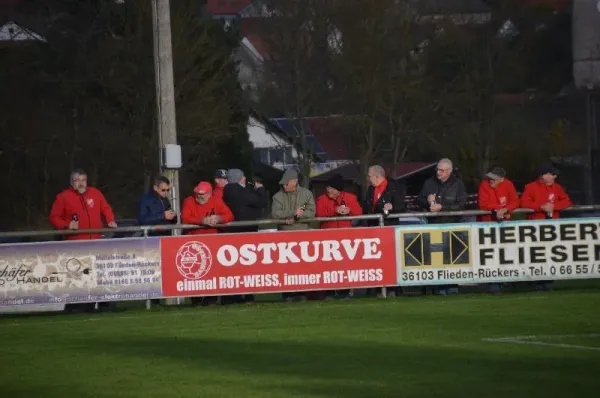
(278, 262)
(79, 271)
(499, 252)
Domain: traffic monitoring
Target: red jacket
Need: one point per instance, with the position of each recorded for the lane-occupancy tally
(89, 208)
(537, 194)
(218, 192)
(326, 208)
(503, 196)
(193, 212)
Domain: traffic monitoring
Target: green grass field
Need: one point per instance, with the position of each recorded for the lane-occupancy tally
(404, 347)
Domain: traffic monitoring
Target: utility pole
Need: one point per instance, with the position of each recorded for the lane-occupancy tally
(169, 152)
(165, 100)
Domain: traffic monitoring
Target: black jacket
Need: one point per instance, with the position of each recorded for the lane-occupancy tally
(452, 195)
(151, 211)
(395, 193)
(246, 204)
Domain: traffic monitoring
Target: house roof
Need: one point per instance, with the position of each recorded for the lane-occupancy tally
(350, 172)
(226, 7)
(332, 134)
(293, 129)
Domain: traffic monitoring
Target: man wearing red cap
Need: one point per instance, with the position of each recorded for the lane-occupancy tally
(203, 208)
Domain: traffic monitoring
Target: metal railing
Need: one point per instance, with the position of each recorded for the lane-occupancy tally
(381, 219)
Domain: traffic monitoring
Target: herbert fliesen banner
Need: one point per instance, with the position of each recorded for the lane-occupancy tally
(79, 271)
(498, 252)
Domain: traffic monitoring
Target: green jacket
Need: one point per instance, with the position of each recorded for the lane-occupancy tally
(285, 205)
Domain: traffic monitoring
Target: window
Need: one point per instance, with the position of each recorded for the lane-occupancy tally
(270, 156)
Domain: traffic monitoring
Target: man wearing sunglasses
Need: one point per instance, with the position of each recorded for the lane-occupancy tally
(155, 208)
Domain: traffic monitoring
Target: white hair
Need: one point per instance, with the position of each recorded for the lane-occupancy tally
(447, 162)
(377, 170)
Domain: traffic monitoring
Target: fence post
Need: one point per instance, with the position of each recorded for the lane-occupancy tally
(382, 224)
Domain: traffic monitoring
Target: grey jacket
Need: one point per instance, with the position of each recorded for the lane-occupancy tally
(285, 205)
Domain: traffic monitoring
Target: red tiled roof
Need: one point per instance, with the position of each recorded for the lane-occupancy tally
(226, 7)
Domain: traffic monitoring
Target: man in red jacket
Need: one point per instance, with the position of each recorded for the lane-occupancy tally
(220, 182)
(336, 203)
(81, 207)
(545, 196)
(547, 199)
(203, 208)
(498, 195)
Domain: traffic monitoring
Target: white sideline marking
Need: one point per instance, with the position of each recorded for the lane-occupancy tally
(293, 307)
(531, 340)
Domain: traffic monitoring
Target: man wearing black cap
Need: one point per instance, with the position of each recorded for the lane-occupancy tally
(335, 202)
(545, 196)
(547, 199)
(220, 182)
(498, 195)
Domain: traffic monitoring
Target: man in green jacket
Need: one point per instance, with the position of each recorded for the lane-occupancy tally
(292, 203)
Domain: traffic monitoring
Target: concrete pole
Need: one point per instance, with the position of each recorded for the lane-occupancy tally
(165, 97)
(165, 92)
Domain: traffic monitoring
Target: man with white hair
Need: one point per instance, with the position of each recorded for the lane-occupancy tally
(384, 196)
(441, 193)
(444, 192)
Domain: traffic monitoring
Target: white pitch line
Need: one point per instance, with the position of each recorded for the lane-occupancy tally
(530, 340)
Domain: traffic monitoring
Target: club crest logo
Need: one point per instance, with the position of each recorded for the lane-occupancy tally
(193, 260)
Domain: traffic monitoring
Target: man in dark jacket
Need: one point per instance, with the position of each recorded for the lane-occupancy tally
(155, 208)
(444, 192)
(383, 196)
(245, 202)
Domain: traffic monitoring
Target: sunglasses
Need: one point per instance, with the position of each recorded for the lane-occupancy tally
(165, 190)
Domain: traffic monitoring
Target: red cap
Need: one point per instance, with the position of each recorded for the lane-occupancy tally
(203, 187)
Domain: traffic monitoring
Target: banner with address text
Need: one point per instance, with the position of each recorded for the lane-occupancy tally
(278, 261)
(499, 252)
(79, 271)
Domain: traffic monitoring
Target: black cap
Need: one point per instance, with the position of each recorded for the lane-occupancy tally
(336, 182)
(547, 169)
(496, 173)
(221, 173)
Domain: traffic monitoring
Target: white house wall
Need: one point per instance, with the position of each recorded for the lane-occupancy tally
(261, 138)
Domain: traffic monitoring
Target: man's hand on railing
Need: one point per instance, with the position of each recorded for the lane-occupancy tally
(112, 225)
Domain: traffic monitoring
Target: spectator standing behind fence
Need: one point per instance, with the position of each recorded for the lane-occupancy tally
(81, 207)
(498, 195)
(155, 208)
(444, 192)
(220, 183)
(246, 202)
(546, 198)
(293, 204)
(335, 202)
(384, 196)
(203, 208)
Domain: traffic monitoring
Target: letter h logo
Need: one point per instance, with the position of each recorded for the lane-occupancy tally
(436, 248)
